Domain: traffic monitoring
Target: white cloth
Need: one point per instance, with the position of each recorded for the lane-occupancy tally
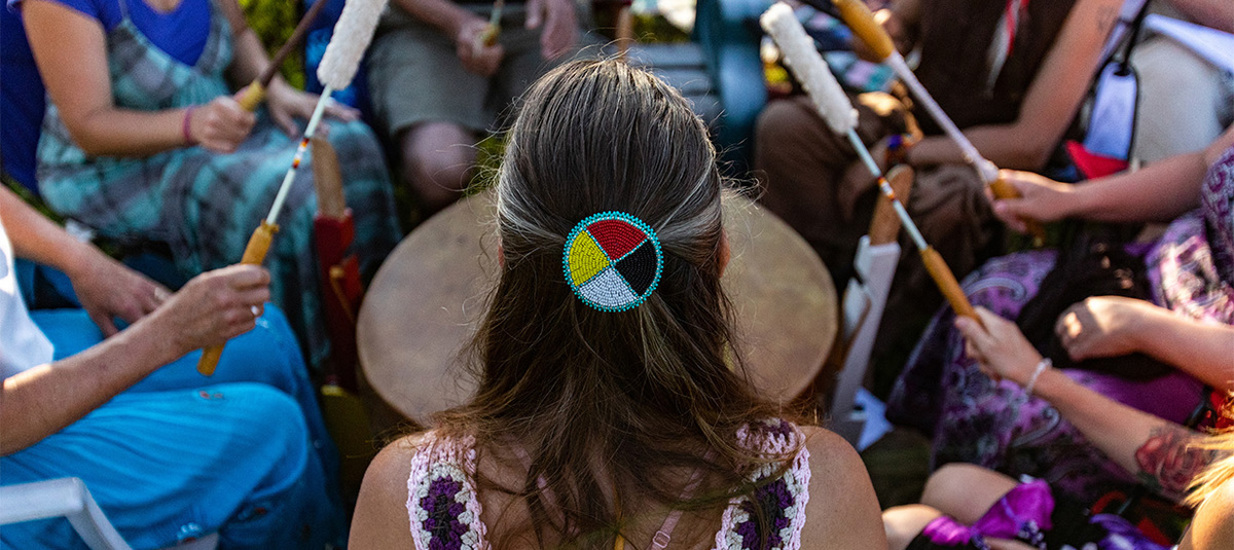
(1213, 45)
(1185, 102)
(22, 344)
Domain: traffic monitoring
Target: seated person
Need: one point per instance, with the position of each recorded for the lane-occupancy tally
(1188, 325)
(436, 83)
(611, 409)
(168, 454)
(965, 506)
(1014, 93)
(1184, 101)
(142, 140)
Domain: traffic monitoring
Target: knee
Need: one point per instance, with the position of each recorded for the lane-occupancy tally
(284, 449)
(438, 154)
(948, 485)
(903, 523)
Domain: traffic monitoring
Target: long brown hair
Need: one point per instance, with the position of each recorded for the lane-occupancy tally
(620, 400)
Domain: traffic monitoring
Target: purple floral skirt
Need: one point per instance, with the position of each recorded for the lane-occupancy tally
(996, 424)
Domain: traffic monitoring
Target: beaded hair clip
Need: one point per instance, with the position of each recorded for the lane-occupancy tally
(612, 261)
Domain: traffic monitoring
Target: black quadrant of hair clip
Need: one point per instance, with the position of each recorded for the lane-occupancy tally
(638, 268)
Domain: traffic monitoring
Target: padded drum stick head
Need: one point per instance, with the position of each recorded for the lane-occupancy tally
(799, 54)
(352, 35)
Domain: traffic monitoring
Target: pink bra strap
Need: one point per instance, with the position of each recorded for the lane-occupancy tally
(665, 533)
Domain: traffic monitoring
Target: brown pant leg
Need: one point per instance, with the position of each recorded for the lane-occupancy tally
(800, 161)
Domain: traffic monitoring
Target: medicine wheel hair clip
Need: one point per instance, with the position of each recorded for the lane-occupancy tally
(612, 261)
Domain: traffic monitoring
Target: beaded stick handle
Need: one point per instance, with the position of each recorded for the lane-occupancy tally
(352, 35)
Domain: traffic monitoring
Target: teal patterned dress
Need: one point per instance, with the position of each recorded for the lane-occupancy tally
(205, 205)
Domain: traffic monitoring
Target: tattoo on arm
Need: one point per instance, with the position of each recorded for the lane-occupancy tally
(1167, 464)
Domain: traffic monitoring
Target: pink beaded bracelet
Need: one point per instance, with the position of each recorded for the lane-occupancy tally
(188, 117)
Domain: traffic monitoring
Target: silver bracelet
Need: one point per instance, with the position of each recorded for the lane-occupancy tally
(1042, 365)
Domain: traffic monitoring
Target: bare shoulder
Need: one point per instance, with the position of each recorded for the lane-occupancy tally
(1213, 526)
(843, 511)
(381, 519)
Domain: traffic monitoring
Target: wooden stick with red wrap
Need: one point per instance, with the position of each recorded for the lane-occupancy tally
(352, 35)
(859, 19)
(834, 106)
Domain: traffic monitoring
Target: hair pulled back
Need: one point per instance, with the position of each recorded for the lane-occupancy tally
(600, 399)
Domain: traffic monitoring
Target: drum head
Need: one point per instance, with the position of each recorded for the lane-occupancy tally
(427, 299)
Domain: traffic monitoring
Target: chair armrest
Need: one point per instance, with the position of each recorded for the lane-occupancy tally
(67, 497)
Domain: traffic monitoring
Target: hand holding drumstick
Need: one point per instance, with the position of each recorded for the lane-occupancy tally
(836, 109)
(1038, 198)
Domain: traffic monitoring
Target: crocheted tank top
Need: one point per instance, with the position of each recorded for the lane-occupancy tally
(445, 510)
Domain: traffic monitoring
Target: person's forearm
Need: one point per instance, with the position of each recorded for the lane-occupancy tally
(1160, 192)
(1006, 146)
(250, 57)
(127, 133)
(250, 60)
(1218, 14)
(1203, 350)
(1049, 103)
(43, 400)
(1152, 449)
(445, 15)
(37, 239)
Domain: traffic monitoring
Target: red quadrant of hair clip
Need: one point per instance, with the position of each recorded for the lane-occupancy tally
(612, 261)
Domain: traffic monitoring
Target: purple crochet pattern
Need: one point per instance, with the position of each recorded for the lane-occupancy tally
(443, 514)
(442, 504)
(782, 500)
(445, 511)
(773, 498)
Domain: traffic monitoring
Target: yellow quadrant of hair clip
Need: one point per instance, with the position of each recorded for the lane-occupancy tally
(586, 258)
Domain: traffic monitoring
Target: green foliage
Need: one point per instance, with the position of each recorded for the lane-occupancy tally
(273, 21)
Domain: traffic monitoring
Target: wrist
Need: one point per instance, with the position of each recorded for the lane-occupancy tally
(1049, 384)
(148, 340)
(1081, 203)
(186, 127)
(1145, 326)
(1030, 385)
(77, 259)
(462, 26)
(278, 89)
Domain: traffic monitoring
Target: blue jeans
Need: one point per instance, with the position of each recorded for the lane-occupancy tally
(179, 455)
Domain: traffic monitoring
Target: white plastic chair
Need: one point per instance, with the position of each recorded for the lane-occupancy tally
(68, 497)
(864, 299)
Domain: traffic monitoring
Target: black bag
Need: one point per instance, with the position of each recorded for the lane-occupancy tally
(1094, 265)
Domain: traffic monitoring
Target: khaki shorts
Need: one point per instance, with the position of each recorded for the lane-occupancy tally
(415, 75)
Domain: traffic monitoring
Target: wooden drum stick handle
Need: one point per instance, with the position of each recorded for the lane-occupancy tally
(1004, 190)
(254, 254)
(253, 94)
(946, 281)
(857, 16)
